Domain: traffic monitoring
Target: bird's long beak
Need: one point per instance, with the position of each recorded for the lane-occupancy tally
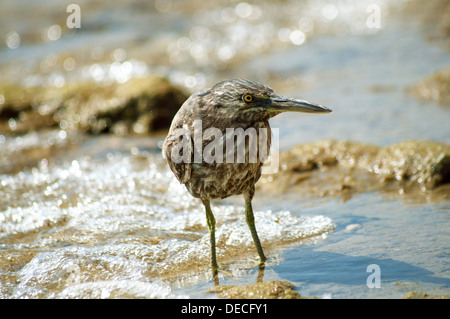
(281, 103)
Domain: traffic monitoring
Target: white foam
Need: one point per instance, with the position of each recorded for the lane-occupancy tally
(112, 228)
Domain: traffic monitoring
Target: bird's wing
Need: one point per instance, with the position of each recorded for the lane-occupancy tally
(178, 152)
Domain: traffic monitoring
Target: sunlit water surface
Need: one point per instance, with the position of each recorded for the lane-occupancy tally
(103, 217)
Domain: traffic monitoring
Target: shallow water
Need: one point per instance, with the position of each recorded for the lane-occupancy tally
(120, 215)
(103, 217)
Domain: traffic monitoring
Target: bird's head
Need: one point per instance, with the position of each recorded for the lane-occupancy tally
(251, 100)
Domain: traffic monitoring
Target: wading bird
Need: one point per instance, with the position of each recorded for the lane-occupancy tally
(230, 104)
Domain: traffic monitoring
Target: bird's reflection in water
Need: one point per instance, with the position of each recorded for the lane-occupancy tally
(259, 277)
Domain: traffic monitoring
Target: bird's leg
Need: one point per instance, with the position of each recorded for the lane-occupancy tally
(212, 229)
(251, 224)
(260, 276)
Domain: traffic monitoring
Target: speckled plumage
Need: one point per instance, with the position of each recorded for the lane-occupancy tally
(219, 180)
(233, 104)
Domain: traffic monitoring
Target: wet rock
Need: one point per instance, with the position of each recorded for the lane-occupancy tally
(423, 295)
(435, 14)
(435, 87)
(308, 157)
(138, 106)
(341, 168)
(424, 163)
(259, 290)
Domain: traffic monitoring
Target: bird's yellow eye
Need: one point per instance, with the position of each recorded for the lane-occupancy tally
(247, 98)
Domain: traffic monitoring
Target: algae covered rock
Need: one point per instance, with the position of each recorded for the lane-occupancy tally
(138, 106)
(307, 157)
(435, 87)
(329, 168)
(259, 290)
(423, 295)
(423, 162)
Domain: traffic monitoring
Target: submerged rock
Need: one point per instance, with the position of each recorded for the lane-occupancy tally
(423, 295)
(435, 87)
(342, 168)
(259, 290)
(138, 106)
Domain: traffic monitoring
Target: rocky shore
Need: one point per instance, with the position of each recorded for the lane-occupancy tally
(138, 106)
(343, 168)
(147, 105)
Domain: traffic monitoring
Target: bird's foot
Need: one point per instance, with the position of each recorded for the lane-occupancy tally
(226, 272)
(257, 262)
